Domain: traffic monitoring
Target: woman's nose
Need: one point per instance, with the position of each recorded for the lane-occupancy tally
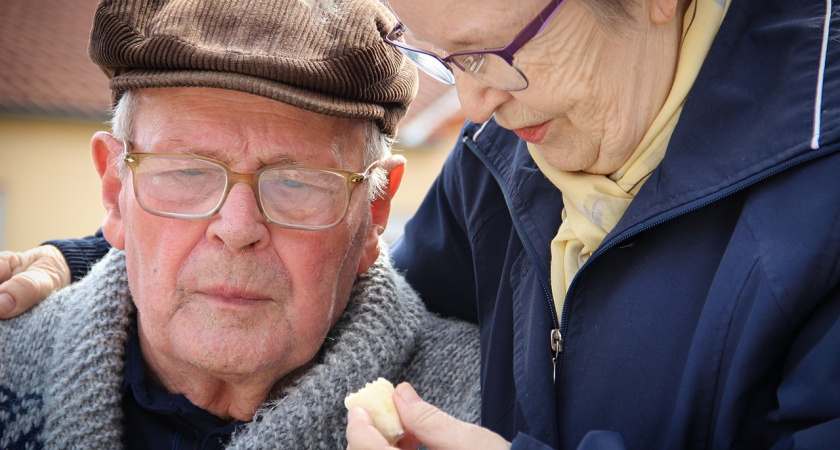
(478, 100)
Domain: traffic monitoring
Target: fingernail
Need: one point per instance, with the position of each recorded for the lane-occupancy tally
(407, 394)
(7, 303)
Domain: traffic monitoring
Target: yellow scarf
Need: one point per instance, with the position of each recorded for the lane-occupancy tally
(593, 204)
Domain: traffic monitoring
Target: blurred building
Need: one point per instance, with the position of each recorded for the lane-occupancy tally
(52, 100)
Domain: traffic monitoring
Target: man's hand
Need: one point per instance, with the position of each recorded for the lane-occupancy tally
(28, 277)
(424, 424)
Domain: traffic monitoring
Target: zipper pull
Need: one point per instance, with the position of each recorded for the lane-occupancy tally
(557, 348)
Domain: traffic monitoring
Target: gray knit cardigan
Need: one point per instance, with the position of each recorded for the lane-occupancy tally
(61, 365)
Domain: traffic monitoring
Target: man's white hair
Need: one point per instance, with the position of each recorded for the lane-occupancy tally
(377, 144)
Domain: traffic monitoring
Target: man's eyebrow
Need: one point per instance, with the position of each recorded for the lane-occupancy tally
(231, 157)
(280, 160)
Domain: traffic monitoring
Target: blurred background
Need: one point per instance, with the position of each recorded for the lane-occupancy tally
(52, 100)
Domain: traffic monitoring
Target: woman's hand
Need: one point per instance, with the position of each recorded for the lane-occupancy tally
(424, 424)
(28, 277)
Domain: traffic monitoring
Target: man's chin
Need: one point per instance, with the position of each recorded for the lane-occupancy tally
(232, 359)
(228, 343)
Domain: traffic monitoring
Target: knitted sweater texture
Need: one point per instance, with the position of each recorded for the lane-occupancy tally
(62, 364)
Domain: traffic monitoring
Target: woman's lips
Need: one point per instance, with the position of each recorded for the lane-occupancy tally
(534, 134)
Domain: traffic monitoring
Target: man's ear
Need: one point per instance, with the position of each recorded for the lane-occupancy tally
(380, 209)
(106, 150)
(662, 11)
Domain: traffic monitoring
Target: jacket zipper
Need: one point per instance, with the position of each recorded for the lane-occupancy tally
(557, 347)
(556, 334)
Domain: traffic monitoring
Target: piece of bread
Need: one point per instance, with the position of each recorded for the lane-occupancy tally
(376, 399)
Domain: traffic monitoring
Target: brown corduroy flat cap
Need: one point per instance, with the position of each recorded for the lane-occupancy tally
(325, 56)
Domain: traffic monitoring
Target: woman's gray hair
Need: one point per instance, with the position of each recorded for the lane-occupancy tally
(377, 144)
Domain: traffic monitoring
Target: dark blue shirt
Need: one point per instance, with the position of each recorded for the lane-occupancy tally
(160, 420)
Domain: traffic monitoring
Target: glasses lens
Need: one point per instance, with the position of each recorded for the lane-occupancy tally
(300, 196)
(430, 64)
(491, 70)
(179, 187)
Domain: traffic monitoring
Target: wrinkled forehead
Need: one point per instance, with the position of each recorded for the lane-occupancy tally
(454, 25)
(230, 125)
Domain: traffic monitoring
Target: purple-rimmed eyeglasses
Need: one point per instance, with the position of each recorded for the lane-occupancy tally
(493, 67)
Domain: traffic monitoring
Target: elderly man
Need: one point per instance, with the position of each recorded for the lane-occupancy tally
(246, 184)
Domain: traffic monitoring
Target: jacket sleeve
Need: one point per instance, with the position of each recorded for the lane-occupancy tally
(434, 253)
(83, 253)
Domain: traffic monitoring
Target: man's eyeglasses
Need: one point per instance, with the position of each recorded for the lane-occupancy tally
(493, 67)
(195, 188)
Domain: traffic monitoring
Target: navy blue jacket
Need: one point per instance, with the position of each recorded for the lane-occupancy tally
(710, 316)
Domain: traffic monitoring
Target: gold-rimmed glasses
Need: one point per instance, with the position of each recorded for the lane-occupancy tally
(194, 187)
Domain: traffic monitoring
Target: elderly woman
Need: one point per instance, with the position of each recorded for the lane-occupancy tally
(652, 250)
(642, 215)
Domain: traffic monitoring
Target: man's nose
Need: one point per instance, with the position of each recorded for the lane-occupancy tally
(239, 224)
(478, 100)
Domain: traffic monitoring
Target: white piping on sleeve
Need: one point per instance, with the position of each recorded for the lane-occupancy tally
(815, 138)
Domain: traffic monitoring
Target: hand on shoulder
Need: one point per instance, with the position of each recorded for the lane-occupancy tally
(28, 277)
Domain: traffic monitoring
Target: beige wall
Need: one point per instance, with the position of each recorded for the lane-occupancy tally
(50, 190)
(49, 186)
